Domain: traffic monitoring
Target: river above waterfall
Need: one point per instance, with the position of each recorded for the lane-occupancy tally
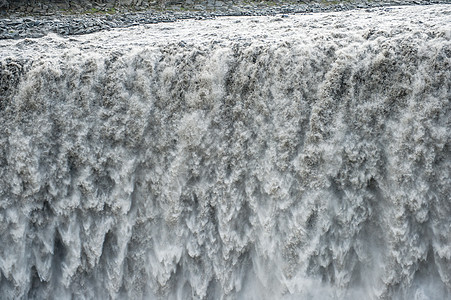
(350, 26)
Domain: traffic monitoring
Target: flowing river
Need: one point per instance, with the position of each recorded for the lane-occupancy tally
(277, 157)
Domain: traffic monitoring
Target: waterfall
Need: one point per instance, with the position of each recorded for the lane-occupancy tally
(298, 157)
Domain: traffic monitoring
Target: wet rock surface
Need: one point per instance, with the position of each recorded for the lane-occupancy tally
(35, 19)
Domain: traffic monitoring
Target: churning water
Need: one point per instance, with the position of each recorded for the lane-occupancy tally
(299, 157)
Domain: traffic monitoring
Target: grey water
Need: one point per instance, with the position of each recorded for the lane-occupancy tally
(298, 157)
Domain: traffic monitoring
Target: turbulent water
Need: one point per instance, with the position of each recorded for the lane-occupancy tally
(285, 157)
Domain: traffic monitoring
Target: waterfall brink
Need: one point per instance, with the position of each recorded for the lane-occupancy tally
(305, 157)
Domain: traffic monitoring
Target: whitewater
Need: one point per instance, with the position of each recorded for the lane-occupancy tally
(274, 157)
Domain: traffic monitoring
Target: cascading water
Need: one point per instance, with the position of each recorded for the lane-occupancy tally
(305, 157)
